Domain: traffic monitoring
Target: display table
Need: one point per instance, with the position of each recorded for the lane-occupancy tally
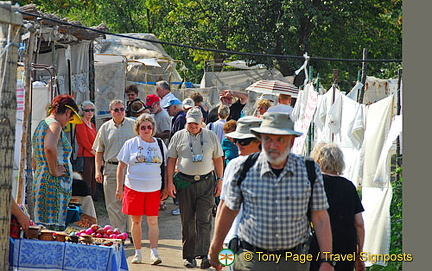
(28, 254)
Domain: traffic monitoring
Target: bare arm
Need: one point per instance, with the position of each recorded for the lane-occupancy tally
(218, 164)
(223, 222)
(170, 176)
(50, 148)
(359, 224)
(98, 165)
(321, 222)
(23, 220)
(243, 97)
(120, 180)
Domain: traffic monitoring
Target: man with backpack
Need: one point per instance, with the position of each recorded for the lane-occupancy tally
(276, 194)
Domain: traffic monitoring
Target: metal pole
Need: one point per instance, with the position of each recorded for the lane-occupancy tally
(363, 80)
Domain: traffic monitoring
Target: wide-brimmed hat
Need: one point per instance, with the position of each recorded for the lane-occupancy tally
(75, 117)
(188, 103)
(173, 101)
(137, 106)
(151, 99)
(244, 125)
(194, 115)
(276, 123)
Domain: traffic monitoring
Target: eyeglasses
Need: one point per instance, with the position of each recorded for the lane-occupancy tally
(243, 142)
(89, 110)
(118, 109)
(149, 127)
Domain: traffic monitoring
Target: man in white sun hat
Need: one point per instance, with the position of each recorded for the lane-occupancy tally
(275, 194)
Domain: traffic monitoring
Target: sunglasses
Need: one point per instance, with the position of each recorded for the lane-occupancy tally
(89, 110)
(243, 142)
(118, 109)
(149, 127)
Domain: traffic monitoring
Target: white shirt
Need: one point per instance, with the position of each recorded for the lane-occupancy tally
(143, 161)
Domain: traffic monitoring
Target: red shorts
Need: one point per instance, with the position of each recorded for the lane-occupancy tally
(140, 203)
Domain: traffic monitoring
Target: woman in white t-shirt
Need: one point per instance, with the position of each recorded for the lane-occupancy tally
(140, 191)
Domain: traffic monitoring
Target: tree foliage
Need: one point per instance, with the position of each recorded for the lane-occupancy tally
(332, 29)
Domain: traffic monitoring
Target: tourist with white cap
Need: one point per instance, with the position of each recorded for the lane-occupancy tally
(276, 195)
(198, 155)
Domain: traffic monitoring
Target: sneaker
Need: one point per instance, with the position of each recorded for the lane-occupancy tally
(155, 259)
(176, 211)
(205, 263)
(190, 263)
(136, 259)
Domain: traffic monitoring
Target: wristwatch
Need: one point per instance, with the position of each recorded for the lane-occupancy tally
(332, 262)
(219, 178)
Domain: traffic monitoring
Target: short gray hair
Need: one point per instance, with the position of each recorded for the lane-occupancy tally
(329, 157)
(163, 84)
(87, 103)
(223, 111)
(113, 102)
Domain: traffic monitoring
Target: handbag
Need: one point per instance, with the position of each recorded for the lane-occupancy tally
(78, 163)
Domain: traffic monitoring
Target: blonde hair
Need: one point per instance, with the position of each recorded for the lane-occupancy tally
(329, 157)
(144, 117)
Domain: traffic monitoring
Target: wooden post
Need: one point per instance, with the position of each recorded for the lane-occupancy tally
(363, 78)
(10, 23)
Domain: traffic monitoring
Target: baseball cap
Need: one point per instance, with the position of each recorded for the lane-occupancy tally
(194, 115)
(173, 101)
(151, 99)
(188, 103)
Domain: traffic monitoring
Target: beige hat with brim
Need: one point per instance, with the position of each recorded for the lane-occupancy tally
(243, 127)
(275, 123)
(194, 115)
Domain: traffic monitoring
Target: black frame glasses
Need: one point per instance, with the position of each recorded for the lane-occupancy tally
(89, 110)
(122, 109)
(244, 141)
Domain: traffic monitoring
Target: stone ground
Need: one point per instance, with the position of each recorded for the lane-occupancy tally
(170, 245)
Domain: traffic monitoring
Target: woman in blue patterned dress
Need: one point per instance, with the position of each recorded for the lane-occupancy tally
(52, 182)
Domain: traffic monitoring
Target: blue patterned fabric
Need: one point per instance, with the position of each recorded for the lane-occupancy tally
(29, 254)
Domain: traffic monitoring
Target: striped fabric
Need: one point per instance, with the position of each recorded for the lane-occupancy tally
(274, 86)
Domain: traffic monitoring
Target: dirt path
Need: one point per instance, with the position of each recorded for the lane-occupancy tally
(169, 240)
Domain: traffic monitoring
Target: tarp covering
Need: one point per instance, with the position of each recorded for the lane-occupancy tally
(135, 49)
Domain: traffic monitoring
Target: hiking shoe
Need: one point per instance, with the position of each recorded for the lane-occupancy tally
(155, 259)
(136, 259)
(205, 263)
(176, 211)
(190, 263)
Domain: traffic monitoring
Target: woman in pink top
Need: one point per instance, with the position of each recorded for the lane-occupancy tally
(85, 134)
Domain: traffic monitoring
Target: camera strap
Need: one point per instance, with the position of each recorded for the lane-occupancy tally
(202, 144)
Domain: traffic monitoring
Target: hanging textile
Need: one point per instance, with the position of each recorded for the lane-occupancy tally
(302, 124)
(376, 196)
(346, 120)
(325, 102)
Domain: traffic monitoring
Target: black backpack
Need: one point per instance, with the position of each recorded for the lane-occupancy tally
(310, 167)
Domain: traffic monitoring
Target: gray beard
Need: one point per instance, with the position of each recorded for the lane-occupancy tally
(278, 160)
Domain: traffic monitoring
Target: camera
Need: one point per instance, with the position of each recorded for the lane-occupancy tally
(197, 158)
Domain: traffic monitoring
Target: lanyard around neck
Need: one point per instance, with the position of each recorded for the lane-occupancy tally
(190, 143)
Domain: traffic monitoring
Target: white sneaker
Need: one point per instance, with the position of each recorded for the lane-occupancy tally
(136, 259)
(176, 211)
(155, 259)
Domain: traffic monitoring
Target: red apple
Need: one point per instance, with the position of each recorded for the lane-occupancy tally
(108, 227)
(100, 230)
(94, 227)
(93, 234)
(109, 231)
(98, 235)
(105, 235)
(114, 236)
(116, 231)
(89, 231)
